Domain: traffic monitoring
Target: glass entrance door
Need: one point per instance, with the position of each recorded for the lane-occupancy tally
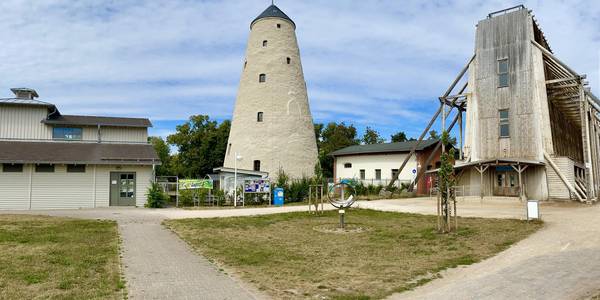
(506, 183)
(122, 189)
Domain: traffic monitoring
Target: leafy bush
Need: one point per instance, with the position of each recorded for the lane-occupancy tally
(156, 197)
(186, 197)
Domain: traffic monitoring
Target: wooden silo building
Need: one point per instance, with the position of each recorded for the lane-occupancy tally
(532, 125)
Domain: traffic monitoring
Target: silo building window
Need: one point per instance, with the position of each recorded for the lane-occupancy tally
(503, 79)
(262, 78)
(259, 116)
(289, 60)
(264, 43)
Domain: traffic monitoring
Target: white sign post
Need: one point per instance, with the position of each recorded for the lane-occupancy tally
(533, 210)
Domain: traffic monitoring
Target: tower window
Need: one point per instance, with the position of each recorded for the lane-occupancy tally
(504, 123)
(229, 149)
(245, 64)
(257, 165)
(289, 60)
(264, 43)
(259, 116)
(503, 72)
(262, 78)
(278, 25)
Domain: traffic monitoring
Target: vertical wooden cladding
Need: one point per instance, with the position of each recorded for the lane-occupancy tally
(505, 37)
(566, 136)
(23, 122)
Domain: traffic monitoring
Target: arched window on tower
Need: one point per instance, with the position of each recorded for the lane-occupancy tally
(262, 77)
(257, 165)
(245, 64)
(264, 43)
(259, 116)
(278, 25)
(289, 60)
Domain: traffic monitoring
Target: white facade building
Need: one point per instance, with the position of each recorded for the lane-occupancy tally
(376, 164)
(50, 161)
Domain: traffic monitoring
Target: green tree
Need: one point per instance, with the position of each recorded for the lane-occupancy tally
(164, 153)
(333, 137)
(434, 135)
(398, 137)
(371, 136)
(201, 143)
(446, 182)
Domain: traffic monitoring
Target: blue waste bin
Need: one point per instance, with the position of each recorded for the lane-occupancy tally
(278, 196)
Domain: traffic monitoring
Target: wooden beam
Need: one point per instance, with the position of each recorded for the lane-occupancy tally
(570, 85)
(437, 147)
(414, 148)
(554, 81)
(562, 177)
(554, 58)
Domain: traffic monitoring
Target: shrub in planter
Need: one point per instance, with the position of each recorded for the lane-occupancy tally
(156, 197)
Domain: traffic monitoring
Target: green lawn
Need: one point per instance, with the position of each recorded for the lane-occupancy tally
(59, 258)
(284, 256)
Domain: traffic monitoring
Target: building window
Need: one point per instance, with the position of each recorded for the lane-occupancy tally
(394, 172)
(262, 78)
(257, 165)
(377, 174)
(67, 133)
(289, 60)
(245, 64)
(259, 116)
(229, 149)
(265, 43)
(278, 25)
(12, 168)
(504, 124)
(362, 174)
(347, 165)
(44, 168)
(503, 72)
(75, 168)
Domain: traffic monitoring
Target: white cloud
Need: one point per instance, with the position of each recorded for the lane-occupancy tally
(378, 63)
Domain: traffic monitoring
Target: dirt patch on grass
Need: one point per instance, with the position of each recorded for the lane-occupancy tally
(283, 255)
(58, 258)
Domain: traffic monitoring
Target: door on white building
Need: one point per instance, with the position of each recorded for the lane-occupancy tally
(122, 189)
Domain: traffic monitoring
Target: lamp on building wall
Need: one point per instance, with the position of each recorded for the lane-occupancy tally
(237, 157)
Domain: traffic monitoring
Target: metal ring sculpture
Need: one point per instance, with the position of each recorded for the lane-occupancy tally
(342, 202)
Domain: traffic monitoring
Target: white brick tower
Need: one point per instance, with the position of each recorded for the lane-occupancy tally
(272, 126)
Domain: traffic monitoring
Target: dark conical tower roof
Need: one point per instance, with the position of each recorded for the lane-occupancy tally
(273, 12)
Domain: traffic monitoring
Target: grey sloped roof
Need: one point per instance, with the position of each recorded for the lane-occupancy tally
(20, 101)
(384, 148)
(273, 12)
(77, 153)
(95, 120)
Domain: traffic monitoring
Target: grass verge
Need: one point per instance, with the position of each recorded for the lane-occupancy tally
(59, 258)
(284, 256)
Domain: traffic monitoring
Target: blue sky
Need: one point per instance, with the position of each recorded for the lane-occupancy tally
(370, 63)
